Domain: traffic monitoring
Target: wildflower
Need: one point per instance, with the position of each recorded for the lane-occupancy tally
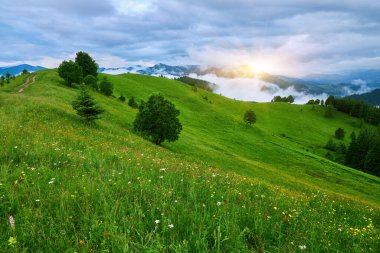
(339, 229)
(81, 243)
(12, 222)
(37, 200)
(157, 221)
(171, 226)
(302, 247)
(161, 177)
(12, 241)
(219, 203)
(275, 208)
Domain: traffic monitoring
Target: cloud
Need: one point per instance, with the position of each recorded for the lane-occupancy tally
(253, 89)
(292, 37)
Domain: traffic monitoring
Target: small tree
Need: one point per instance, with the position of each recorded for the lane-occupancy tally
(86, 107)
(71, 72)
(106, 87)
(89, 66)
(132, 103)
(8, 76)
(329, 113)
(25, 72)
(91, 81)
(158, 119)
(250, 117)
(2, 79)
(122, 98)
(339, 133)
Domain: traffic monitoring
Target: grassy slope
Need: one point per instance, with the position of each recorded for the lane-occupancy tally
(107, 189)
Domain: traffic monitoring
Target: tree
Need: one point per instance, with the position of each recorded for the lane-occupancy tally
(330, 100)
(25, 72)
(290, 99)
(122, 98)
(158, 119)
(71, 72)
(339, 133)
(106, 87)
(2, 79)
(89, 66)
(329, 113)
(91, 81)
(372, 160)
(8, 76)
(86, 107)
(322, 102)
(132, 103)
(249, 117)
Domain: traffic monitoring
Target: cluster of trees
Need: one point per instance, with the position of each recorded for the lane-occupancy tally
(7, 78)
(157, 119)
(358, 109)
(288, 99)
(197, 83)
(315, 102)
(363, 153)
(84, 70)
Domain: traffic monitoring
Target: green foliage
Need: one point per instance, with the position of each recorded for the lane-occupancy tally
(340, 133)
(106, 87)
(249, 117)
(2, 80)
(25, 72)
(158, 119)
(89, 66)
(197, 83)
(122, 98)
(132, 103)
(288, 99)
(91, 81)
(7, 76)
(329, 112)
(86, 107)
(71, 72)
(331, 145)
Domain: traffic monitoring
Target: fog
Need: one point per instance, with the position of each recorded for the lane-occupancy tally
(253, 89)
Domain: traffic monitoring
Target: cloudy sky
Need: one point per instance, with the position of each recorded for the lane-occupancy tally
(293, 37)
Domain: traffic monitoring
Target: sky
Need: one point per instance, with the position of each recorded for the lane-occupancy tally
(289, 37)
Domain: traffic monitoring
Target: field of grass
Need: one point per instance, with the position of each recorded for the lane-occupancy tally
(222, 187)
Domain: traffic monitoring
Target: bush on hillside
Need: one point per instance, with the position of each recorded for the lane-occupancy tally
(106, 87)
(339, 133)
(250, 117)
(91, 81)
(158, 120)
(132, 103)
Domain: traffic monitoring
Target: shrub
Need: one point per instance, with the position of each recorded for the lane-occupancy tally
(132, 103)
(71, 72)
(106, 87)
(339, 133)
(250, 117)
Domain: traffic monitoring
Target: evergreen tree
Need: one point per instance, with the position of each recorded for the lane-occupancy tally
(372, 160)
(2, 79)
(249, 117)
(158, 119)
(86, 107)
(7, 76)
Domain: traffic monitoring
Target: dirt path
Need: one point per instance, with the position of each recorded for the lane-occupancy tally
(26, 84)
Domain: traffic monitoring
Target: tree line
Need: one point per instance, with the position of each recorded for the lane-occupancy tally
(363, 152)
(358, 109)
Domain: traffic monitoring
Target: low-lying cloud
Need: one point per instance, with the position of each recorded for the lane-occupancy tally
(253, 89)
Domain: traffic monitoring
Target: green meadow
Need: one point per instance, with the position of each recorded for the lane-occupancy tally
(222, 187)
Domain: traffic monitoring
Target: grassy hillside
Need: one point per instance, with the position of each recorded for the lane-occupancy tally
(224, 187)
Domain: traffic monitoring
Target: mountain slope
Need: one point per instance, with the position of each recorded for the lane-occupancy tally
(223, 187)
(372, 97)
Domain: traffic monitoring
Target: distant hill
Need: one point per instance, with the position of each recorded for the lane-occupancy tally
(16, 70)
(372, 97)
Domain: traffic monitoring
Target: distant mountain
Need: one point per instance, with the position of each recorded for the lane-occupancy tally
(156, 70)
(372, 97)
(345, 84)
(16, 70)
